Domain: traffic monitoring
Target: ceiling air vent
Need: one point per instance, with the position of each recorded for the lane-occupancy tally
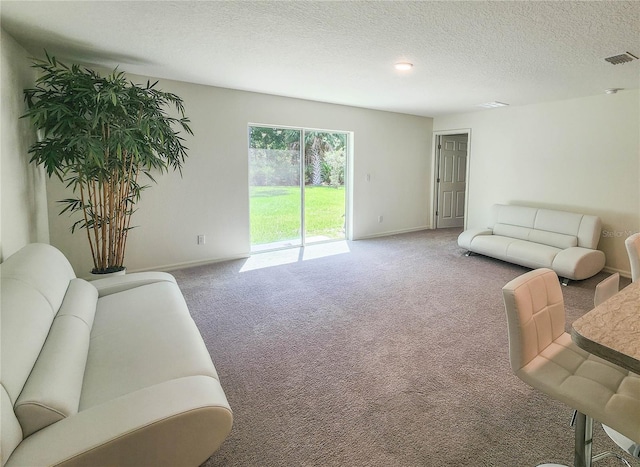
(622, 58)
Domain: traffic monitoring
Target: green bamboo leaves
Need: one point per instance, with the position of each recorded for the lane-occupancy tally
(98, 134)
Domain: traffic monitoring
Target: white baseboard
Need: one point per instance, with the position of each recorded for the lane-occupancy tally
(190, 264)
(393, 232)
(622, 272)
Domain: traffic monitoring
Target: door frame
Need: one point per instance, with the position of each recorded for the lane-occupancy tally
(434, 171)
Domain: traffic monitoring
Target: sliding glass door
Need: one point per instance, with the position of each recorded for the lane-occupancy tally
(296, 186)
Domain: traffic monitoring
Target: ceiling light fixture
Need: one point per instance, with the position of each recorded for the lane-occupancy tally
(492, 105)
(403, 66)
(612, 90)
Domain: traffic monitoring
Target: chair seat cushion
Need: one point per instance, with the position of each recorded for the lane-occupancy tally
(589, 384)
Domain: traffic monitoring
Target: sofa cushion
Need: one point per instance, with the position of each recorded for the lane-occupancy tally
(492, 245)
(115, 284)
(142, 337)
(557, 240)
(562, 222)
(26, 320)
(589, 232)
(9, 427)
(553, 239)
(532, 255)
(44, 268)
(52, 391)
(514, 215)
(511, 231)
(522, 252)
(34, 283)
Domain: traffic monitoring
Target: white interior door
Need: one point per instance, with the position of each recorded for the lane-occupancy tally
(451, 180)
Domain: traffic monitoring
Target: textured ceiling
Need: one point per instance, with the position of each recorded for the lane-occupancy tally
(465, 53)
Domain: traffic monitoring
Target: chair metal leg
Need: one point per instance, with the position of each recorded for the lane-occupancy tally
(582, 457)
(604, 455)
(584, 440)
(584, 443)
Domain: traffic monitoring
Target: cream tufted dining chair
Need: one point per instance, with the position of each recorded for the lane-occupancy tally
(633, 250)
(543, 355)
(606, 288)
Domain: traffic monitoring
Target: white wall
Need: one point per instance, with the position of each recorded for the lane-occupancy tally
(579, 155)
(212, 197)
(23, 208)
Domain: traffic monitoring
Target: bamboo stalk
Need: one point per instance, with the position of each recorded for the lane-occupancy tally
(91, 188)
(112, 218)
(84, 213)
(125, 212)
(117, 216)
(119, 221)
(125, 235)
(104, 224)
(104, 212)
(101, 225)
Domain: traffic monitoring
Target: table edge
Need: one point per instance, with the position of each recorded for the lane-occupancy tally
(607, 353)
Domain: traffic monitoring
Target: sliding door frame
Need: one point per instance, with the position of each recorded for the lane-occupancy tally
(348, 178)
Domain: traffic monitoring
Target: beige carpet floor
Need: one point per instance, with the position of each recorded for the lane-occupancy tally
(380, 352)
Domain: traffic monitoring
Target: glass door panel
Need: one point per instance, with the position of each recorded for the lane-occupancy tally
(324, 188)
(275, 168)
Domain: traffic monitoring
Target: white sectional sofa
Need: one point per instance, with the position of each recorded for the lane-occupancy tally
(110, 372)
(566, 242)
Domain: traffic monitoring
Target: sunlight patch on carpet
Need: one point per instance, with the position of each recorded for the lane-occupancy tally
(293, 255)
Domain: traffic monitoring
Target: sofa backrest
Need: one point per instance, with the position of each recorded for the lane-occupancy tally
(34, 283)
(560, 229)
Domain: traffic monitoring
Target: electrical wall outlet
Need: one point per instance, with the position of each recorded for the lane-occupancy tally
(379, 219)
(201, 239)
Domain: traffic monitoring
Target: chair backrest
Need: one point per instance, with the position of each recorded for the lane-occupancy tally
(606, 289)
(633, 250)
(535, 314)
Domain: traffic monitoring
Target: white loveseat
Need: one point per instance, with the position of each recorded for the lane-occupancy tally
(566, 242)
(109, 372)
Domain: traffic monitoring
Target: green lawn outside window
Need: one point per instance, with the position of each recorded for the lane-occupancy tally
(275, 213)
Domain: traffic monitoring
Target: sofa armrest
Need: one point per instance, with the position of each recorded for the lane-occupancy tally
(577, 263)
(178, 422)
(115, 284)
(465, 238)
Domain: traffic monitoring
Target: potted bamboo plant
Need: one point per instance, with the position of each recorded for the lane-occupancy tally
(101, 135)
